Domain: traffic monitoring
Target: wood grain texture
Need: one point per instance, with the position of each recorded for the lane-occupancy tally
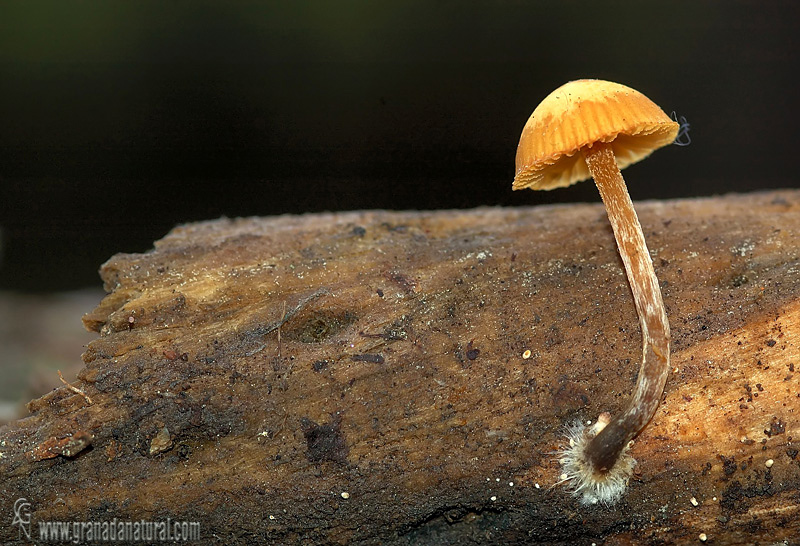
(250, 374)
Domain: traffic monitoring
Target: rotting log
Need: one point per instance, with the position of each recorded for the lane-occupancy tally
(362, 378)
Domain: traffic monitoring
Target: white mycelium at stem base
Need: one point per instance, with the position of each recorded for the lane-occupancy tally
(596, 463)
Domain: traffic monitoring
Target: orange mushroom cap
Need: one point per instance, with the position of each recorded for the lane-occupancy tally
(578, 114)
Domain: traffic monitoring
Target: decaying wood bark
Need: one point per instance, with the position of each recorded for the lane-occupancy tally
(362, 378)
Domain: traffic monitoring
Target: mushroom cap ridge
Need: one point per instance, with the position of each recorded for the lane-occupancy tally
(578, 114)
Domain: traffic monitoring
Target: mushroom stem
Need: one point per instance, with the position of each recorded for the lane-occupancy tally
(605, 448)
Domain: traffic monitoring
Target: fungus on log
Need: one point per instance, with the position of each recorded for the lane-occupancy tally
(364, 378)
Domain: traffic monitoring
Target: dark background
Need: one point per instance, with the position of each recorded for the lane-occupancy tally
(119, 120)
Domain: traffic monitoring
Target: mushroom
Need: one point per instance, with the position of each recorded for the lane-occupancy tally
(594, 128)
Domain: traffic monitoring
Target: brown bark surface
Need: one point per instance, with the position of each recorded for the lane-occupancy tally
(359, 378)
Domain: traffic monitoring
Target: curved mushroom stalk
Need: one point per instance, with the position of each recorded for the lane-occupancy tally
(604, 450)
